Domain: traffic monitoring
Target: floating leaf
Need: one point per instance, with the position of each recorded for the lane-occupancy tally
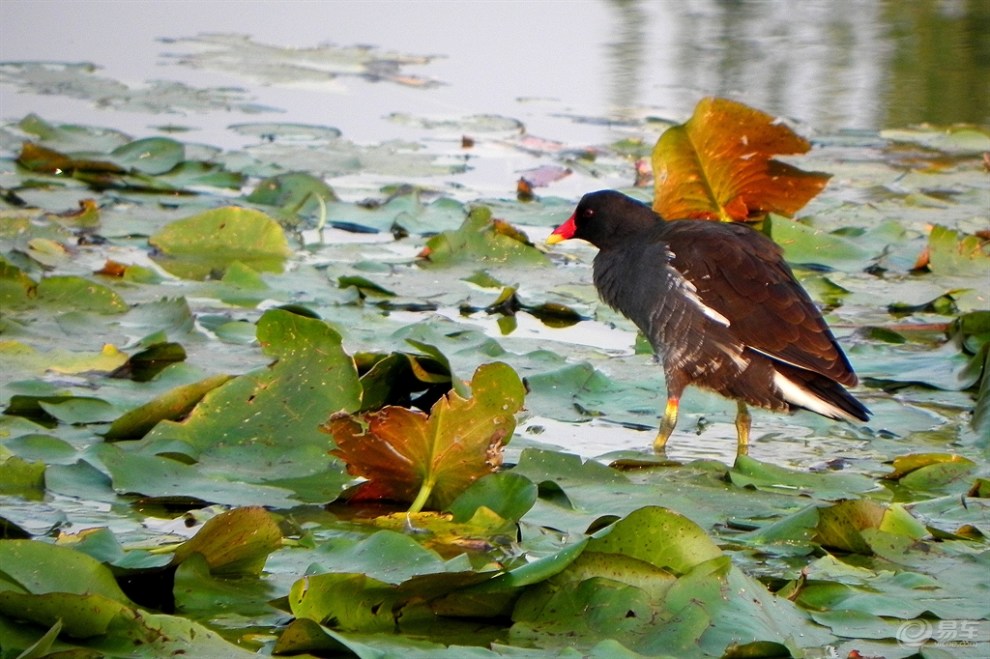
(507, 494)
(952, 253)
(44, 583)
(400, 378)
(719, 165)
(430, 460)
(19, 476)
(198, 246)
(806, 245)
(933, 472)
(617, 589)
(481, 239)
(659, 537)
(257, 435)
(365, 286)
(749, 472)
(297, 193)
(153, 155)
(58, 292)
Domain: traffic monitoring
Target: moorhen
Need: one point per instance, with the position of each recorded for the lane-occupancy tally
(719, 306)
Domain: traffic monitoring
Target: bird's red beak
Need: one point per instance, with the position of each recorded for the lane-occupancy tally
(564, 232)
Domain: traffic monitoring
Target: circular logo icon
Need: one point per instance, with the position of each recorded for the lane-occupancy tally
(914, 633)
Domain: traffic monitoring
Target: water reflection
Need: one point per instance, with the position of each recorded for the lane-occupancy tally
(626, 56)
(834, 64)
(940, 71)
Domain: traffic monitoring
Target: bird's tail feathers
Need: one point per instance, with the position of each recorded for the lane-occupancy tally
(817, 393)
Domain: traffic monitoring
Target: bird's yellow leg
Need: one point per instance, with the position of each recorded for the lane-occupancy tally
(667, 423)
(743, 421)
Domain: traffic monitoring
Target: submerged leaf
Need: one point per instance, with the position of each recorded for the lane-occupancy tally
(719, 165)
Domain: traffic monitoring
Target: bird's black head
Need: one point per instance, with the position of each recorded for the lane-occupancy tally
(606, 218)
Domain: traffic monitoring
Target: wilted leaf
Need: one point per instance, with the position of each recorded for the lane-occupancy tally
(88, 215)
(429, 460)
(235, 542)
(719, 165)
(38, 158)
(16, 287)
(198, 246)
(146, 364)
(172, 405)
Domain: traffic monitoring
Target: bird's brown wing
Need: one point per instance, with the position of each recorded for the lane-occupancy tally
(741, 274)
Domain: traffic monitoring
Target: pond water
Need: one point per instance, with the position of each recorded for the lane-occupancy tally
(369, 97)
(571, 71)
(567, 74)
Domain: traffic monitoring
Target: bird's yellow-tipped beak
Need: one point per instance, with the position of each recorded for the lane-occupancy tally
(564, 232)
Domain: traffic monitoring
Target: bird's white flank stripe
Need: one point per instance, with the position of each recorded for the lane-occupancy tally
(691, 293)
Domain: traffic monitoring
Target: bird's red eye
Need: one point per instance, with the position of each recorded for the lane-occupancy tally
(588, 213)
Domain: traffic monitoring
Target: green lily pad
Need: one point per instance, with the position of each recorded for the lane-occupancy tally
(153, 155)
(173, 405)
(805, 245)
(198, 246)
(480, 239)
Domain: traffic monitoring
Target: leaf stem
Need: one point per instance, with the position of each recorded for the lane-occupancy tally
(421, 498)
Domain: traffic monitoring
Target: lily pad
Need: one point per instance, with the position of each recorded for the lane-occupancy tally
(409, 456)
(719, 165)
(199, 246)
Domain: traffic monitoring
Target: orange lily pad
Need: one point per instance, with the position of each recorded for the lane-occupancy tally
(407, 455)
(719, 165)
